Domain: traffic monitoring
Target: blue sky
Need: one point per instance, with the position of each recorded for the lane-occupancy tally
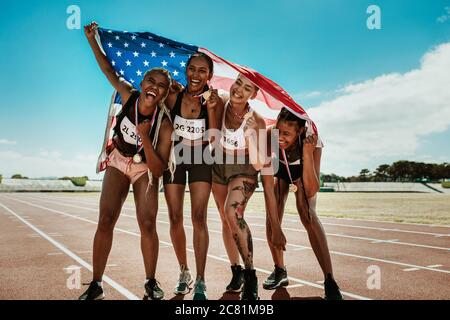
(55, 98)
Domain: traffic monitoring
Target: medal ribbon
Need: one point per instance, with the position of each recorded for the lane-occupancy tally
(287, 165)
(136, 124)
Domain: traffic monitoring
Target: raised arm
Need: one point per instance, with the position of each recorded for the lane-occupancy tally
(123, 87)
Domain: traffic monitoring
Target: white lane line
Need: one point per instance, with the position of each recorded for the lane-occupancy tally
(320, 281)
(362, 227)
(411, 269)
(255, 215)
(292, 229)
(288, 244)
(300, 249)
(54, 253)
(107, 279)
(385, 241)
(295, 286)
(435, 266)
(349, 294)
(391, 222)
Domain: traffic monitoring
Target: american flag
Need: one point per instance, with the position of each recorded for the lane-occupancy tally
(133, 53)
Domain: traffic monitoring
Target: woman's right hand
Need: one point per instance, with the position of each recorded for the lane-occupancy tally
(278, 239)
(89, 30)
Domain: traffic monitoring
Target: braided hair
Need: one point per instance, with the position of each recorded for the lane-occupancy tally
(287, 116)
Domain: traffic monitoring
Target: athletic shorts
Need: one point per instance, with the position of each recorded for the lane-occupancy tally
(224, 173)
(133, 171)
(192, 171)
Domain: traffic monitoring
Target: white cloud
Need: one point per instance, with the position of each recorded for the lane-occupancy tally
(6, 141)
(47, 163)
(445, 16)
(385, 117)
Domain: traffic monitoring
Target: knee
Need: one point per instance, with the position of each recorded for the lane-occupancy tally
(199, 219)
(106, 223)
(148, 226)
(176, 220)
(309, 222)
(230, 219)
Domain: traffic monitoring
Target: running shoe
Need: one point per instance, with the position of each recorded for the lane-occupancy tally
(237, 280)
(153, 291)
(277, 279)
(332, 291)
(250, 290)
(200, 290)
(184, 281)
(94, 292)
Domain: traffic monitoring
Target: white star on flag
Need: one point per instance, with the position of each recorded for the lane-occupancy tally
(113, 63)
(139, 73)
(128, 62)
(126, 44)
(175, 73)
(133, 37)
(109, 44)
(183, 64)
(161, 45)
(153, 54)
(131, 80)
(146, 63)
(143, 45)
(122, 72)
(172, 55)
(119, 54)
(135, 54)
(117, 37)
(164, 63)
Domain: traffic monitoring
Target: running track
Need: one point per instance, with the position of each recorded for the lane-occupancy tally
(42, 235)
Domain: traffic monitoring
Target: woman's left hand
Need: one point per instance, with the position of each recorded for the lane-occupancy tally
(251, 124)
(309, 144)
(143, 128)
(213, 100)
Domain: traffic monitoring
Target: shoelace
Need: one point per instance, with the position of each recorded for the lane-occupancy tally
(184, 275)
(200, 287)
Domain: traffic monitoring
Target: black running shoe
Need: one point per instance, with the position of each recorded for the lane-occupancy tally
(332, 291)
(277, 279)
(153, 291)
(250, 290)
(237, 281)
(94, 292)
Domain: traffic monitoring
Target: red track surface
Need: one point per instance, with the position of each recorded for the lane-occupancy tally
(42, 234)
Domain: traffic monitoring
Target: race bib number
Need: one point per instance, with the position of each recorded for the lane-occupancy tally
(192, 129)
(234, 140)
(128, 130)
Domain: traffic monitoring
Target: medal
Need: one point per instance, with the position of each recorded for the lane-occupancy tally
(137, 158)
(293, 188)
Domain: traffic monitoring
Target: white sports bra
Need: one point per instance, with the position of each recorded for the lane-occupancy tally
(233, 139)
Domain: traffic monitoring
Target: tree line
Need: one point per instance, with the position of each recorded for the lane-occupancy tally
(399, 171)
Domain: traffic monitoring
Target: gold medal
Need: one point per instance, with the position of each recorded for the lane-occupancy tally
(206, 95)
(137, 158)
(293, 188)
